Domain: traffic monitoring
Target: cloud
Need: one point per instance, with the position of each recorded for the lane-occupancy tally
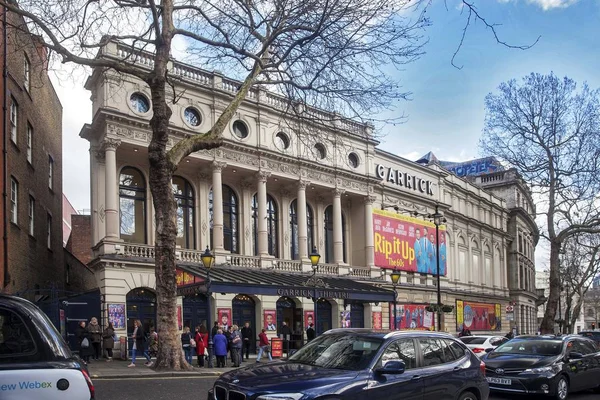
(551, 4)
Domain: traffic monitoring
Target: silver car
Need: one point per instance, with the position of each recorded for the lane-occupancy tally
(478, 344)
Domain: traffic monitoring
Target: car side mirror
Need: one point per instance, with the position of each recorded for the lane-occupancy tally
(573, 355)
(392, 368)
(489, 349)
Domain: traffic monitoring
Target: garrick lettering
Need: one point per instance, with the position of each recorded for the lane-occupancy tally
(404, 179)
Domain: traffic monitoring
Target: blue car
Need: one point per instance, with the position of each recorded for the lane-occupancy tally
(363, 364)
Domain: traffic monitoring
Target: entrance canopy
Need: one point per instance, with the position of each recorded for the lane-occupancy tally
(225, 279)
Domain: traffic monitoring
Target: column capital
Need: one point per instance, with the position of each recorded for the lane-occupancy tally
(369, 200)
(302, 184)
(218, 166)
(262, 176)
(110, 144)
(338, 192)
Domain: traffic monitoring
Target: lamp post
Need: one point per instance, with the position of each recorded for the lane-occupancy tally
(314, 261)
(395, 275)
(438, 219)
(208, 260)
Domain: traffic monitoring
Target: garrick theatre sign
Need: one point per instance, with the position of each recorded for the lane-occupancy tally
(404, 179)
(321, 293)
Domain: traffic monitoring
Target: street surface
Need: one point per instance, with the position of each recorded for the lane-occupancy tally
(197, 387)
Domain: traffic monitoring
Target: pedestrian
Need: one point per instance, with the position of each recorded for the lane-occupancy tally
(263, 346)
(215, 328)
(227, 333)
(84, 342)
(310, 332)
(201, 344)
(138, 338)
(286, 334)
(220, 347)
(95, 337)
(464, 332)
(236, 346)
(247, 335)
(509, 335)
(152, 347)
(108, 341)
(188, 344)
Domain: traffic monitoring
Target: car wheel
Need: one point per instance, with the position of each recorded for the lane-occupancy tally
(467, 396)
(561, 391)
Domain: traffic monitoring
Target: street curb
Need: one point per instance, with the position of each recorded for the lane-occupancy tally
(156, 375)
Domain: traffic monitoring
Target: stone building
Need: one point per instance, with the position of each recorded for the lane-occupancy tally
(269, 195)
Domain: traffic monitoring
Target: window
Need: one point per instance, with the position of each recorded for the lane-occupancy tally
(230, 219)
(132, 205)
(31, 216)
(272, 228)
(139, 103)
(186, 222)
(282, 141)
(49, 222)
(320, 151)
(447, 354)
(457, 349)
(14, 114)
(26, 80)
(353, 160)
(329, 245)
(29, 144)
(15, 337)
(432, 352)
(14, 200)
(294, 229)
(50, 172)
(240, 129)
(192, 116)
(401, 350)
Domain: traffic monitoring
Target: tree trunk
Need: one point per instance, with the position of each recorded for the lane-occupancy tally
(547, 326)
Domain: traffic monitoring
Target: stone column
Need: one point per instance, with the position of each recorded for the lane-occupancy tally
(217, 187)
(369, 236)
(338, 245)
(261, 199)
(111, 209)
(303, 249)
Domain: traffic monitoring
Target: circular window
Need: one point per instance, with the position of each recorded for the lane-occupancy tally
(353, 160)
(320, 151)
(240, 129)
(192, 116)
(282, 141)
(139, 103)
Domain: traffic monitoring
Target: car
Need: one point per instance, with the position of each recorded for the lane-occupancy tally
(479, 344)
(546, 364)
(353, 364)
(594, 335)
(35, 361)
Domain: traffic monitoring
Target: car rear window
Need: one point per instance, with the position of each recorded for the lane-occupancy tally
(15, 338)
(531, 347)
(472, 340)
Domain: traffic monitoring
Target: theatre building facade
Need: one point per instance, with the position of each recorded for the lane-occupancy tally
(271, 194)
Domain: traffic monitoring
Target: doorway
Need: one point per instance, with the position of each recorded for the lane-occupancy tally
(357, 315)
(195, 311)
(244, 310)
(141, 304)
(323, 316)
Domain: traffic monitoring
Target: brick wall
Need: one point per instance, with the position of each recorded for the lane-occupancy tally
(80, 241)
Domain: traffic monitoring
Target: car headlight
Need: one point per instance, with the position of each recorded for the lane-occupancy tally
(281, 396)
(540, 370)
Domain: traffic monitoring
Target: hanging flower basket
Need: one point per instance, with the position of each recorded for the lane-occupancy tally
(445, 308)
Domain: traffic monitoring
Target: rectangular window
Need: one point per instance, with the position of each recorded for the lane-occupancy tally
(50, 171)
(14, 200)
(29, 144)
(14, 113)
(49, 220)
(31, 216)
(26, 81)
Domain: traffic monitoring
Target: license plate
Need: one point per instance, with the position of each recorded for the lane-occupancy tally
(499, 381)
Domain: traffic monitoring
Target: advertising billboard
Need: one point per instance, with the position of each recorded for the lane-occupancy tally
(478, 316)
(407, 243)
(412, 316)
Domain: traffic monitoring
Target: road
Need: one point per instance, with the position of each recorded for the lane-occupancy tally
(196, 388)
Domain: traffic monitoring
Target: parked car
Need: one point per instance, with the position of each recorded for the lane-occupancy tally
(357, 364)
(594, 335)
(35, 361)
(548, 364)
(479, 344)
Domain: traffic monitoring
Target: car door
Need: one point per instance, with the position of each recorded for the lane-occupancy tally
(406, 386)
(590, 369)
(444, 373)
(576, 367)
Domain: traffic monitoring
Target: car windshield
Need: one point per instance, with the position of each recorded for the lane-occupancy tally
(531, 347)
(349, 352)
(472, 340)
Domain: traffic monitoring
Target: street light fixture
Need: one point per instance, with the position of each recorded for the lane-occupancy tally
(438, 219)
(395, 275)
(208, 261)
(314, 261)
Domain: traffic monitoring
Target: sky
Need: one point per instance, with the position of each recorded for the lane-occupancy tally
(446, 111)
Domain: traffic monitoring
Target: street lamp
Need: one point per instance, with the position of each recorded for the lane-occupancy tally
(438, 219)
(208, 260)
(314, 261)
(395, 275)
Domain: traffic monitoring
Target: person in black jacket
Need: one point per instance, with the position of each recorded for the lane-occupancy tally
(310, 332)
(247, 340)
(138, 341)
(84, 351)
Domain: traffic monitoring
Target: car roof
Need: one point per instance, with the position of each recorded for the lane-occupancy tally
(561, 338)
(385, 334)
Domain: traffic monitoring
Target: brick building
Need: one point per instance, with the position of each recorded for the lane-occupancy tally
(32, 252)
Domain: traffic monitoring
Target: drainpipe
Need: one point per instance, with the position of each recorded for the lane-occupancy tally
(4, 149)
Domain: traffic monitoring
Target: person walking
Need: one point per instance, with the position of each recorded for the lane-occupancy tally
(152, 347)
(84, 342)
(215, 328)
(310, 332)
(108, 341)
(201, 344)
(138, 338)
(220, 347)
(247, 336)
(263, 346)
(186, 343)
(95, 337)
(236, 346)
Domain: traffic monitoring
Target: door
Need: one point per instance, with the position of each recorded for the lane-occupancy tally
(586, 370)
(357, 315)
(323, 316)
(141, 304)
(244, 311)
(195, 309)
(406, 386)
(444, 373)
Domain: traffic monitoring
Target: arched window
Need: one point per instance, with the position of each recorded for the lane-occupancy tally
(132, 205)
(272, 228)
(329, 235)
(186, 221)
(230, 219)
(294, 229)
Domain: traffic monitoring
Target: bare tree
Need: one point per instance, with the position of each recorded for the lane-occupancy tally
(550, 132)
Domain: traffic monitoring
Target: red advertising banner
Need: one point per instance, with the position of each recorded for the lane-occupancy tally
(276, 347)
(179, 318)
(185, 278)
(407, 243)
(478, 316)
(377, 320)
(270, 320)
(412, 316)
(309, 318)
(224, 317)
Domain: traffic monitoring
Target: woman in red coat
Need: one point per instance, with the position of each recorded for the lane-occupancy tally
(201, 339)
